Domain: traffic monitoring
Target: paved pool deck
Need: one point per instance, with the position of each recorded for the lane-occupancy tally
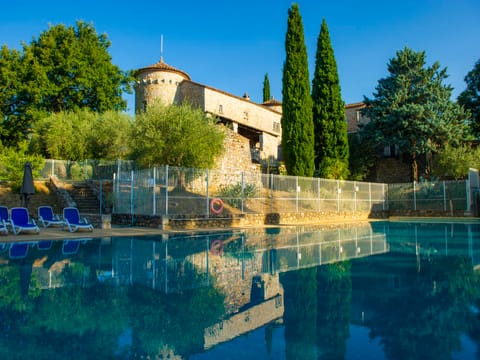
(56, 233)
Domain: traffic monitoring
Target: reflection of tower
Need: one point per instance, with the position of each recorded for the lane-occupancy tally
(158, 81)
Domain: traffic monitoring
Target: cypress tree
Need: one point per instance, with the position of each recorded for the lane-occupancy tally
(331, 139)
(266, 88)
(297, 121)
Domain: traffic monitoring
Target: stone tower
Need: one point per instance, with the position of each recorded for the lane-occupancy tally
(158, 81)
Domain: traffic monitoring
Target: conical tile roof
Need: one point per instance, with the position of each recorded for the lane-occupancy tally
(162, 66)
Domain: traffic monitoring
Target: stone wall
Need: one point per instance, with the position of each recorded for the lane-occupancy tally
(153, 85)
(391, 170)
(354, 117)
(243, 220)
(237, 156)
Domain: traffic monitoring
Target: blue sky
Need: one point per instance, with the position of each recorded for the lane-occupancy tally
(230, 45)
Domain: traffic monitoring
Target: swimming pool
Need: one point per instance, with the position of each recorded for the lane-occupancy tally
(379, 291)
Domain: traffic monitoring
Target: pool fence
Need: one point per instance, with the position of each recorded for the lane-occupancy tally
(174, 191)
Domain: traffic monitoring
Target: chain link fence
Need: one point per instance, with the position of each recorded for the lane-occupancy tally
(67, 170)
(168, 190)
(446, 196)
(182, 191)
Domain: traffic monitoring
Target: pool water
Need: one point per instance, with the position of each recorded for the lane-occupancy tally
(382, 290)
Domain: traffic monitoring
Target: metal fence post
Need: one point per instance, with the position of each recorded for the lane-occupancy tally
(207, 193)
(338, 196)
(296, 193)
(271, 193)
(319, 197)
(243, 189)
(370, 196)
(385, 198)
(132, 206)
(118, 172)
(115, 194)
(354, 196)
(414, 197)
(467, 194)
(154, 185)
(444, 197)
(101, 197)
(166, 190)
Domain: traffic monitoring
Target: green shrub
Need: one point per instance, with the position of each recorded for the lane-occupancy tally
(81, 172)
(12, 163)
(232, 194)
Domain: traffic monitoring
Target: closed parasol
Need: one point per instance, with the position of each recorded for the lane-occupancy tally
(27, 185)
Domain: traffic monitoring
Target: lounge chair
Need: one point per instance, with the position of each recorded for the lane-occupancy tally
(4, 220)
(18, 250)
(44, 244)
(70, 247)
(73, 221)
(47, 217)
(3, 228)
(20, 221)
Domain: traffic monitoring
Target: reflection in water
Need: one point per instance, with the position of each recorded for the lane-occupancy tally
(178, 296)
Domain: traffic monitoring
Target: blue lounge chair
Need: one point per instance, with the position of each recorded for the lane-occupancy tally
(20, 221)
(73, 221)
(18, 250)
(44, 244)
(4, 220)
(47, 217)
(70, 247)
(3, 228)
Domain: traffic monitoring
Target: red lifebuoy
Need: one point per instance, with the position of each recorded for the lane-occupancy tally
(216, 206)
(216, 247)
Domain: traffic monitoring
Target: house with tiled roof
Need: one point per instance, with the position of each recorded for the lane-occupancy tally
(257, 124)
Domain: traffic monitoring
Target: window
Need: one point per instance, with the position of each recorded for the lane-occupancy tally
(276, 126)
(390, 151)
(220, 109)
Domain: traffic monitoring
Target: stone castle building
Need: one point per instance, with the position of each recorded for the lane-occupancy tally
(256, 128)
(257, 123)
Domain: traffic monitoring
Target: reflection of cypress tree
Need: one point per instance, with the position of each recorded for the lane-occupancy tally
(13, 296)
(334, 303)
(300, 301)
(475, 330)
(430, 324)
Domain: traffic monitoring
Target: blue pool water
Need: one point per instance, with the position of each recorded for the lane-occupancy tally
(383, 290)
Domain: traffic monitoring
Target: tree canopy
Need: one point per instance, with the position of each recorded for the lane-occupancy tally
(12, 163)
(64, 69)
(83, 134)
(470, 97)
(176, 135)
(454, 162)
(331, 140)
(412, 109)
(297, 121)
